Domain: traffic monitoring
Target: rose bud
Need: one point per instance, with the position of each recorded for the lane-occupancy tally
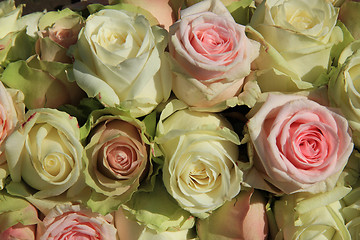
(58, 31)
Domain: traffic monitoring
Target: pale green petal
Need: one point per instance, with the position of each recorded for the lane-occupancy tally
(167, 218)
(17, 46)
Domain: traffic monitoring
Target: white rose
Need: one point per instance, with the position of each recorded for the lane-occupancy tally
(120, 59)
(200, 153)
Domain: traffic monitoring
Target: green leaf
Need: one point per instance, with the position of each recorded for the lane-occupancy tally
(82, 110)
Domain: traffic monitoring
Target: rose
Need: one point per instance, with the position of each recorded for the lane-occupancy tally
(45, 152)
(349, 11)
(200, 154)
(75, 222)
(116, 155)
(245, 211)
(12, 111)
(343, 90)
(130, 229)
(120, 59)
(299, 144)
(211, 54)
(297, 36)
(58, 31)
(306, 216)
(19, 232)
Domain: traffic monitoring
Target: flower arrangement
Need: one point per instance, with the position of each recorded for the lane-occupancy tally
(192, 119)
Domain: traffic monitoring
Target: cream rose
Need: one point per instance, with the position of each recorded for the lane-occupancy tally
(299, 144)
(45, 152)
(306, 216)
(75, 222)
(297, 37)
(343, 89)
(200, 152)
(116, 155)
(211, 54)
(120, 60)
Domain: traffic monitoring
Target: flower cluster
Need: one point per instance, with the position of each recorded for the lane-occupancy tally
(191, 119)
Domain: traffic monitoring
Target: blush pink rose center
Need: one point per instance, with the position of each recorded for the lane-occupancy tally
(213, 42)
(123, 151)
(307, 145)
(207, 46)
(121, 158)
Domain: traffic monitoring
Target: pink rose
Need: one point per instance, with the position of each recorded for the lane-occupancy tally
(75, 222)
(211, 54)
(246, 215)
(19, 232)
(116, 156)
(299, 145)
(12, 109)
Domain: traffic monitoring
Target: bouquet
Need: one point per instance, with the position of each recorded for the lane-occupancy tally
(190, 119)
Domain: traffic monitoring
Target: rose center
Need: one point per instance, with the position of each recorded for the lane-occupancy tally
(310, 145)
(300, 19)
(199, 177)
(107, 37)
(57, 166)
(120, 158)
(211, 40)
